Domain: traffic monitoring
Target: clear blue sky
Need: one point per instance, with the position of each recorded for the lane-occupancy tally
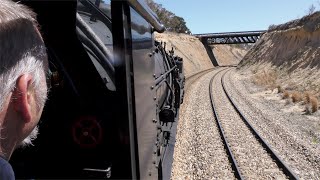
(206, 16)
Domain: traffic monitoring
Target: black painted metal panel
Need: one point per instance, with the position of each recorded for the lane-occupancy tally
(145, 96)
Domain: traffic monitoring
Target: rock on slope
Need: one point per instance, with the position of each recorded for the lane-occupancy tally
(292, 52)
(194, 54)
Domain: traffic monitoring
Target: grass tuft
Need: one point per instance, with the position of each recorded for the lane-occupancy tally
(280, 89)
(314, 104)
(285, 95)
(306, 98)
(296, 97)
(266, 78)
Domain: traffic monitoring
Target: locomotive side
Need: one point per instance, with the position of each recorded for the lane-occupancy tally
(114, 98)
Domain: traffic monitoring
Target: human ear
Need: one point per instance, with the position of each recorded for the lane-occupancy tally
(23, 97)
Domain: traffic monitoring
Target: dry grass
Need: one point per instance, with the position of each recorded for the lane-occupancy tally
(296, 97)
(306, 98)
(311, 102)
(266, 78)
(314, 104)
(269, 79)
(285, 95)
(280, 89)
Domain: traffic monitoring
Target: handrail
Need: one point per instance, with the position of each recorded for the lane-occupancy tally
(147, 14)
(102, 16)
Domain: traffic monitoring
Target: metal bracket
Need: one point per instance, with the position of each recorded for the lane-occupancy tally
(107, 171)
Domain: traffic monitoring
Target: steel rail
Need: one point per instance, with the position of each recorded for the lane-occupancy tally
(205, 71)
(231, 158)
(189, 80)
(197, 73)
(282, 165)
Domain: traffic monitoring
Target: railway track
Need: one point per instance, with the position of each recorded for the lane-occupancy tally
(192, 78)
(249, 154)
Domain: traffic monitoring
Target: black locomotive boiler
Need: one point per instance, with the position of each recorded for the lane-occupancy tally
(115, 93)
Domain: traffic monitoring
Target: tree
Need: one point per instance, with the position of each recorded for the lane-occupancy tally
(172, 22)
(311, 9)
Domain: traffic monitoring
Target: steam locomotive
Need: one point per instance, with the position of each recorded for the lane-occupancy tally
(115, 93)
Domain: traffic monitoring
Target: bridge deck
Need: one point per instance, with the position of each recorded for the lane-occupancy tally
(231, 37)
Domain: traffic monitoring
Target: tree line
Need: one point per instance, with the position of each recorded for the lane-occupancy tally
(172, 22)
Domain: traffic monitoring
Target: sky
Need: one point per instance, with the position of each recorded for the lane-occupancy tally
(212, 16)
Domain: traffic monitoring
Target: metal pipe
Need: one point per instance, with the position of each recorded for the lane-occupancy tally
(159, 79)
(86, 29)
(147, 14)
(101, 58)
(97, 12)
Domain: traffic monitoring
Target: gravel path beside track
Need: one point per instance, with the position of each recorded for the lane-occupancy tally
(288, 133)
(199, 152)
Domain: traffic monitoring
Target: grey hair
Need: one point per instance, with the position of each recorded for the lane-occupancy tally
(22, 50)
(27, 65)
(11, 11)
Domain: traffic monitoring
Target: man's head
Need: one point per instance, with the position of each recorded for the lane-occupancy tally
(23, 68)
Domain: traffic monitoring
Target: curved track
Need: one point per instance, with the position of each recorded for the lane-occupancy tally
(240, 171)
(192, 78)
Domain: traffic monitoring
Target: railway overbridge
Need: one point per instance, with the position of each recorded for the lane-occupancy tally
(244, 37)
(231, 37)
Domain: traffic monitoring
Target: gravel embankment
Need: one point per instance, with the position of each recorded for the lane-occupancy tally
(253, 161)
(199, 152)
(291, 134)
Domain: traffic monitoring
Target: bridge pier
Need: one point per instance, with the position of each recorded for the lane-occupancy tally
(209, 51)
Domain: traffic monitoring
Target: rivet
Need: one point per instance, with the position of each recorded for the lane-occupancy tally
(106, 80)
(152, 87)
(150, 174)
(154, 120)
(150, 54)
(154, 98)
(154, 162)
(154, 152)
(154, 75)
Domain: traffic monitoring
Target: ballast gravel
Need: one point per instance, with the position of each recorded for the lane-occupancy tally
(200, 154)
(293, 135)
(199, 151)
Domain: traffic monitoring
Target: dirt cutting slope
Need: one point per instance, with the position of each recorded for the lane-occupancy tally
(194, 54)
(228, 54)
(290, 53)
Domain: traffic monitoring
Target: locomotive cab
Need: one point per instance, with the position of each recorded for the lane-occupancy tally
(115, 94)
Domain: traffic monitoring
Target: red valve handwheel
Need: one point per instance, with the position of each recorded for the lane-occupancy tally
(87, 132)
